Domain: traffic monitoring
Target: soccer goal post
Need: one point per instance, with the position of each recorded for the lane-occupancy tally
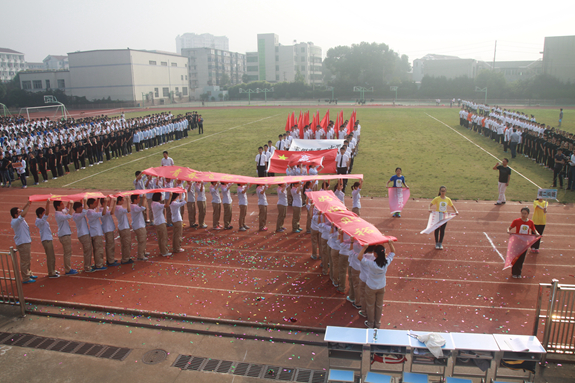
(51, 111)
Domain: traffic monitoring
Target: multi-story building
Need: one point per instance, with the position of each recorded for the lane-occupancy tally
(274, 62)
(11, 62)
(120, 74)
(55, 62)
(559, 57)
(207, 67)
(205, 40)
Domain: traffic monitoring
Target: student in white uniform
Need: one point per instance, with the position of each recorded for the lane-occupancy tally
(282, 207)
(160, 222)
(177, 202)
(356, 197)
(46, 237)
(243, 204)
(201, 201)
(263, 207)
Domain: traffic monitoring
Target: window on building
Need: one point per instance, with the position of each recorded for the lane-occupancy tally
(174, 64)
(277, 77)
(61, 84)
(277, 58)
(277, 68)
(252, 68)
(26, 84)
(253, 59)
(186, 77)
(182, 77)
(303, 59)
(164, 63)
(277, 49)
(47, 84)
(303, 68)
(152, 62)
(303, 50)
(185, 90)
(295, 68)
(37, 84)
(165, 92)
(156, 92)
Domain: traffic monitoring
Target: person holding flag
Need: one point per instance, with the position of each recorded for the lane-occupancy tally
(522, 226)
(398, 183)
(441, 203)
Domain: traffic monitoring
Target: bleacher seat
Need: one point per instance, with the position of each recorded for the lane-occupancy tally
(410, 377)
(340, 376)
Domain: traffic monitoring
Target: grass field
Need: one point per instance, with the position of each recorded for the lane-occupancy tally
(430, 153)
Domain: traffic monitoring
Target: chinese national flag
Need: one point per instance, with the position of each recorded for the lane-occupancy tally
(324, 121)
(517, 245)
(300, 124)
(282, 158)
(314, 122)
(351, 122)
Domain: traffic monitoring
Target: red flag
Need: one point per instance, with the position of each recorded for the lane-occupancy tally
(288, 126)
(398, 197)
(282, 158)
(172, 172)
(300, 124)
(517, 245)
(61, 197)
(314, 123)
(324, 121)
(351, 122)
(306, 118)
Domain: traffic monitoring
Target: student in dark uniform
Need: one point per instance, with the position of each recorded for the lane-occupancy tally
(58, 155)
(65, 151)
(100, 149)
(33, 166)
(73, 154)
(82, 154)
(52, 160)
(43, 165)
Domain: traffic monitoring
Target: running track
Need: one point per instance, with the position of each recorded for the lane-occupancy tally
(262, 277)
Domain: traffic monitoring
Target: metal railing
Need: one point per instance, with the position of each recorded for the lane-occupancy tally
(556, 314)
(11, 292)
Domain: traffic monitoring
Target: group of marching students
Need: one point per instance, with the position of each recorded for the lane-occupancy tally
(522, 134)
(46, 149)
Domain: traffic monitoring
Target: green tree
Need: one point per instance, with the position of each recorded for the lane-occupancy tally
(224, 80)
(299, 77)
(245, 78)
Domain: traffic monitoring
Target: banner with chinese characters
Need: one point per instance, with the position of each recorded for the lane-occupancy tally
(61, 197)
(398, 197)
(436, 219)
(299, 145)
(282, 158)
(364, 232)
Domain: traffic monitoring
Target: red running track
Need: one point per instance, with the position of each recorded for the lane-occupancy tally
(263, 277)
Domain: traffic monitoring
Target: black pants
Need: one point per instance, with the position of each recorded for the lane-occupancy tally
(440, 233)
(54, 172)
(518, 266)
(343, 171)
(44, 174)
(83, 161)
(200, 128)
(540, 229)
(76, 163)
(558, 172)
(34, 173)
(261, 171)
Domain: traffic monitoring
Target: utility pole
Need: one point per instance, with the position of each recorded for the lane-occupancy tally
(494, 52)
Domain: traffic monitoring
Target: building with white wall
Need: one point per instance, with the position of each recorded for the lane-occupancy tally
(274, 62)
(559, 57)
(11, 62)
(56, 62)
(42, 81)
(205, 40)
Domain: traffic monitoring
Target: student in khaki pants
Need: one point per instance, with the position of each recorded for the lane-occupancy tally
(323, 247)
(46, 237)
(124, 230)
(216, 205)
(65, 234)
(191, 198)
(201, 199)
(159, 210)
(263, 206)
(83, 233)
(282, 207)
(315, 235)
(178, 201)
(243, 203)
(139, 225)
(227, 202)
(94, 215)
(23, 241)
(296, 206)
(109, 227)
(343, 264)
(376, 267)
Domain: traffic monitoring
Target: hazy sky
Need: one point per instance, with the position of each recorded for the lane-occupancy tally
(467, 29)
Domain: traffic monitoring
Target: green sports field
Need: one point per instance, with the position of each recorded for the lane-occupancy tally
(427, 143)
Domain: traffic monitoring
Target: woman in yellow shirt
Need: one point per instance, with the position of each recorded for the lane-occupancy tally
(441, 203)
(539, 220)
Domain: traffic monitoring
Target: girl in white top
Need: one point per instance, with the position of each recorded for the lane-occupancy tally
(243, 203)
(296, 206)
(160, 222)
(355, 196)
(178, 201)
(191, 198)
(201, 199)
(338, 191)
(216, 205)
(263, 206)
(282, 207)
(375, 269)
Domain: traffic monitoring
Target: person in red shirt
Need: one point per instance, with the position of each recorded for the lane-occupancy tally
(522, 225)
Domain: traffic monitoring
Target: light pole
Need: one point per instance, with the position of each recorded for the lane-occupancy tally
(265, 92)
(249, 92)
(484, 90)
(394, 88)
(362, 91)
(328, 88)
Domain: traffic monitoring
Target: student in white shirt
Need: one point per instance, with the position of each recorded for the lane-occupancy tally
(296, 206)
(262, 206)
(121, 214)
(96, 232)
(109, 226)
(178, 201)
(338, 191)
(376, 269)
(243, 203)
(261, 160)
(308, 187)
(201, 201)
(65, 234)
(167, 161)
(216, 205)
(282, 207)
(83, 233)
(23, 241)
(139, 225)
(356, 196)
(46, 237)
(191, 194)
(227, 202)
(160, 222)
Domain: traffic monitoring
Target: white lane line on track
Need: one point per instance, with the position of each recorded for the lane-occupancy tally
(538, 187)
(494, 248)
(172, 148)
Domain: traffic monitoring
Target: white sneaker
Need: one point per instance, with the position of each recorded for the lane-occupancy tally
(166, 255)
(143, 259)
